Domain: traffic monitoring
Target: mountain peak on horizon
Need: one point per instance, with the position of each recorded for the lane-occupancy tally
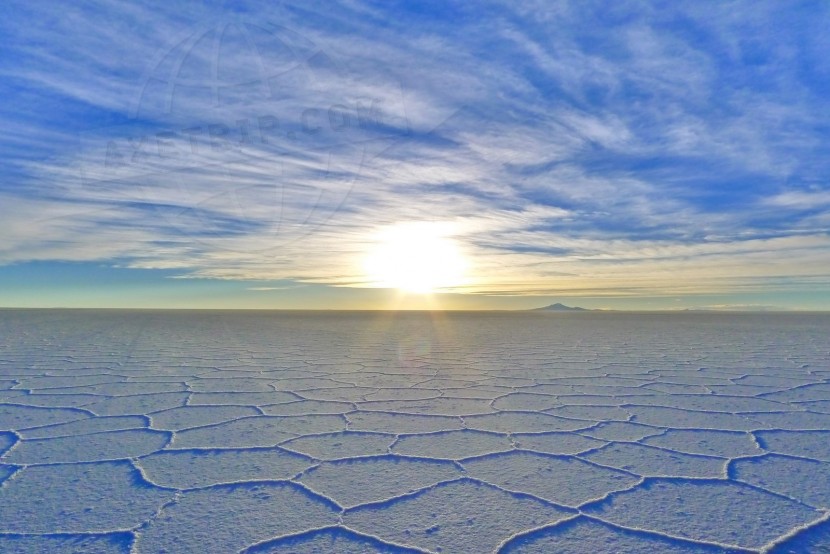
(559, 307)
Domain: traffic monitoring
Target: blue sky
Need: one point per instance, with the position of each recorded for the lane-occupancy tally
(641, 155)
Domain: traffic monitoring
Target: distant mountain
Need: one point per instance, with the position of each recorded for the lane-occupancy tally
(560, 308)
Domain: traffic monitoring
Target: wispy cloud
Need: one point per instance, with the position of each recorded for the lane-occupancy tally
(738, 308)
(573, 147)
(265, 289)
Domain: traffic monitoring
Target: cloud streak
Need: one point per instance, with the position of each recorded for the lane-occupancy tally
(644, 154)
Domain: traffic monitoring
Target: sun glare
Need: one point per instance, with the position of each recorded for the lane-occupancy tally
(415, 257)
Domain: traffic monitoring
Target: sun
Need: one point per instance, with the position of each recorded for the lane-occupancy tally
(418, 257)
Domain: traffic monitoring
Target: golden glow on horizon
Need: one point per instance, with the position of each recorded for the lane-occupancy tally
(415, 257)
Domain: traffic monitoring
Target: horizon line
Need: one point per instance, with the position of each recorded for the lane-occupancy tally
(536, 310)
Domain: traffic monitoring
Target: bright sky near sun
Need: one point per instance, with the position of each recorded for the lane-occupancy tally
(415, 257)
(375, 154)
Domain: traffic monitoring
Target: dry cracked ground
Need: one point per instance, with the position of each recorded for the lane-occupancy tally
(174, 432)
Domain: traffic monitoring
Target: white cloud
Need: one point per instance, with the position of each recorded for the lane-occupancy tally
(801, 199)
(536, 147)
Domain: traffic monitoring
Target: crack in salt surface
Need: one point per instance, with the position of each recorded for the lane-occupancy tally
(410, 394)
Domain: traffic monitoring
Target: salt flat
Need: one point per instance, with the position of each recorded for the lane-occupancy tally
(164, 431)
